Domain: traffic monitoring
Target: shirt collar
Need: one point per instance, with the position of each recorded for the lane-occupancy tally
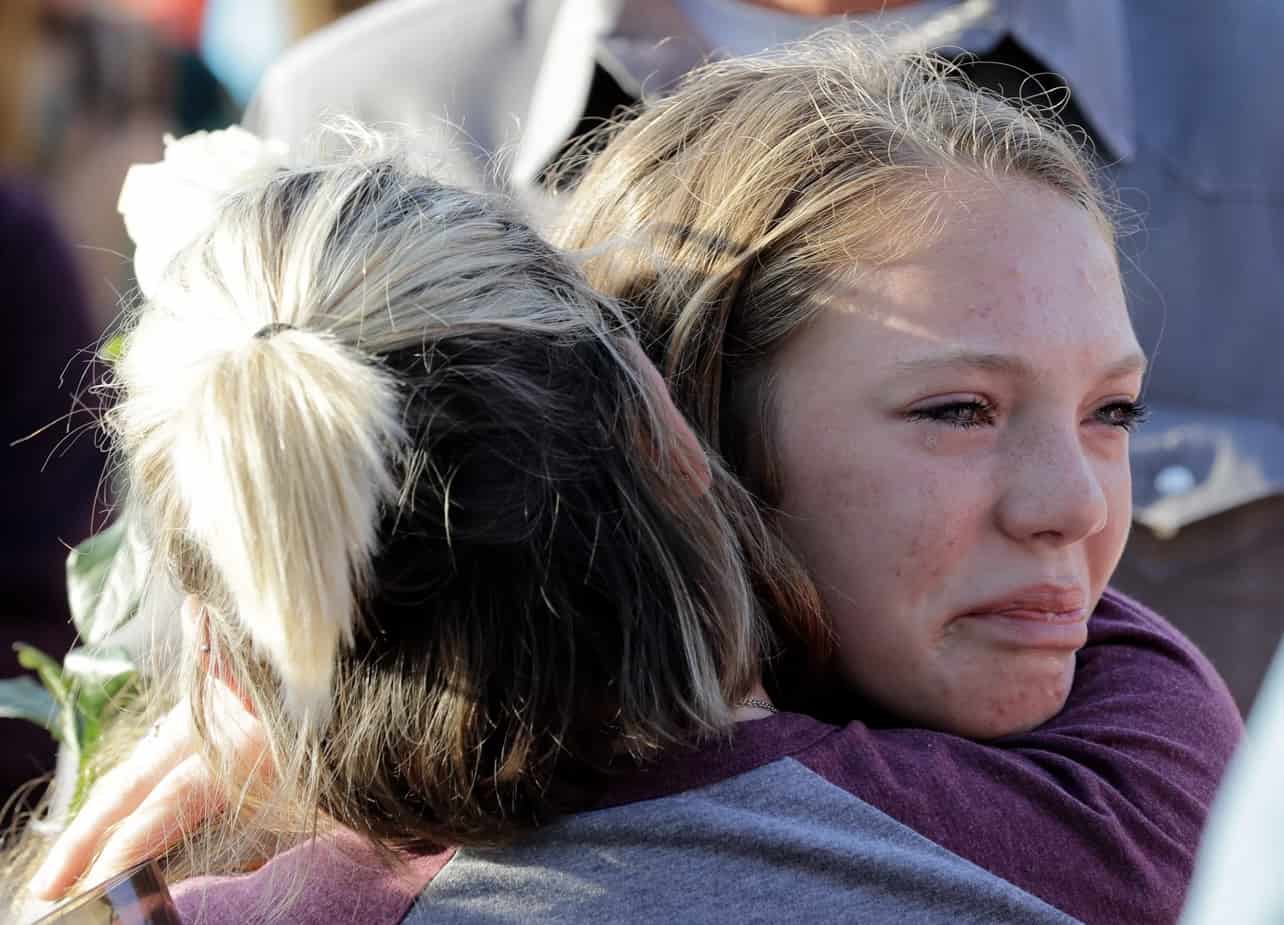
(644, 46)
(650, 45)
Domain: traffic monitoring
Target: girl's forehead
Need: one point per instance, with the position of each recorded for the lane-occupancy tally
(1021, 273)
(1014, 255)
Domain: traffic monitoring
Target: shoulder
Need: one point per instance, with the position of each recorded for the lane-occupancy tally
(1145, 689)
(1147, 657)
(772, 844)
(1098, 811)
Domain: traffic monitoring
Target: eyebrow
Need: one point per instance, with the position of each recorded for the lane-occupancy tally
(1005, 363)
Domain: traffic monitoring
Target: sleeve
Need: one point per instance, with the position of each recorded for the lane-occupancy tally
(1099, 811)
(336, 878)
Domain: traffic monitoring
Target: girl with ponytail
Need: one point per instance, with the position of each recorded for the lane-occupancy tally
(437, 524)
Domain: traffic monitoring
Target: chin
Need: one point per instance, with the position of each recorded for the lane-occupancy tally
(984, 730)
(999, 702)
(1017, 708)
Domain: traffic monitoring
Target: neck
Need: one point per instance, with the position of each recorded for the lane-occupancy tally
(743, 713)
(829, 7)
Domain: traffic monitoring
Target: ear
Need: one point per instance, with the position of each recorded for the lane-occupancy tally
(192, 618)
(691, 458)
(196, 637)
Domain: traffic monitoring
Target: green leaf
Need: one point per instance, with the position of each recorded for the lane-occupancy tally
(97, 704)
(105, 579)
(23, 698)
(83, 695)
(97, 700)
(49, 671)
(66, 728)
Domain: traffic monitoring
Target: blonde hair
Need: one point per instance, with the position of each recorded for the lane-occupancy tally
(723, 213)
(414, 470)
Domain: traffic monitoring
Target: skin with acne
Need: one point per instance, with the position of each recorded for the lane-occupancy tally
(953, 440)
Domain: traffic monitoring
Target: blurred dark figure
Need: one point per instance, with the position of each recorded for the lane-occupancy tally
(48, 479)
(47, 482)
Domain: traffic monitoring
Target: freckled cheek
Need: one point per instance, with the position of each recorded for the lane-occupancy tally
(834, 513)
(884, 531)
(1108, 545)
(944, 515)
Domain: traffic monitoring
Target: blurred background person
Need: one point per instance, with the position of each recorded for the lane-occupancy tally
(1174, 98)
(113, 76)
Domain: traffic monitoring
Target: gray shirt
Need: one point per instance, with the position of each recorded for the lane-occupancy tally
(779, 843)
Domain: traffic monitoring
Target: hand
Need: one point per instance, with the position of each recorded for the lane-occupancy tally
(142, 807)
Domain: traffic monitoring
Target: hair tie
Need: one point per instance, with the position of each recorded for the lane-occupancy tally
(275, 327)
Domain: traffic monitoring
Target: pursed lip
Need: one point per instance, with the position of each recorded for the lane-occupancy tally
(1043, 602)
(1041, 616)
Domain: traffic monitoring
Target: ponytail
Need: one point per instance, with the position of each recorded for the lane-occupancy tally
(276, 450)
(284, 462)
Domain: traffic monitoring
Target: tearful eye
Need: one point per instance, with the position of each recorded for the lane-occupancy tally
(1126, 415)
(961, 414)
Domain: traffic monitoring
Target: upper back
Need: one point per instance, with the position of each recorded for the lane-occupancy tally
(777, 843)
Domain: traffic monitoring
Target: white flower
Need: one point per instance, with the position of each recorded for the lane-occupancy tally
(168, 205)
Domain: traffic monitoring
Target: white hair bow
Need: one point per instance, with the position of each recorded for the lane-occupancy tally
(167, 205)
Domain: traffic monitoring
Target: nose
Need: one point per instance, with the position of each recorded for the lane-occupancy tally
(1052, 493)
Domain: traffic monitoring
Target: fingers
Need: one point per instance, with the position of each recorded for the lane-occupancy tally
(117, 794)
(187, 795)
(179, 803)
(143, 806)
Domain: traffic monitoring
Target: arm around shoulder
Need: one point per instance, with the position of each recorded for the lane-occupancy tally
(1099, 811)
